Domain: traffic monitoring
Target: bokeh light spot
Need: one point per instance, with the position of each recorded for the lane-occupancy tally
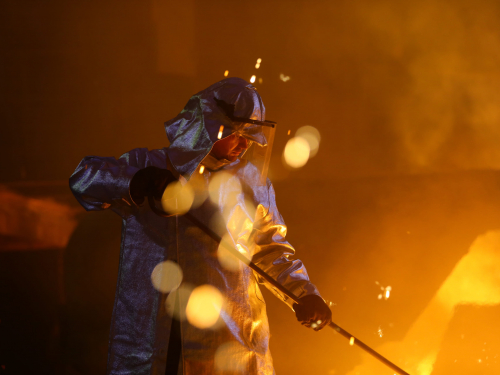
(177, 300)
(217, 181)
(204, 306)
(231, 357)
(177, 198)
(312, 136)
(296, 153)
(226, 257)
(166, 276)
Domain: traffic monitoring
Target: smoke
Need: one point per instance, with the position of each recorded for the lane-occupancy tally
(408, 86)
(448, 116)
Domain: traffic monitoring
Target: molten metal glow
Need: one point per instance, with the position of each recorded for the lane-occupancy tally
(221, 129)
(296, 153)
(252, 79)
(166, 276)
(475, 280)
(204, 306)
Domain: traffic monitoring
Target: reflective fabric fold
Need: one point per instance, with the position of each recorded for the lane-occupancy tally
(246, 211)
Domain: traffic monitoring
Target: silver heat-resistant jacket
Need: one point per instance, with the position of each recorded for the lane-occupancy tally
(245, 209)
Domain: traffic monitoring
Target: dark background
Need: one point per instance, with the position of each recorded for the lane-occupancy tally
(405, 96)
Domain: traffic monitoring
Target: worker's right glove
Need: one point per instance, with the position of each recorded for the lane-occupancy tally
(313, 312)
(150, 179)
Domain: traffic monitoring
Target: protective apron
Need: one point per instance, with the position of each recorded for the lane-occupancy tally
(244, 209)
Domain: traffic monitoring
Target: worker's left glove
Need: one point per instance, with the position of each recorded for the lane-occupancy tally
(150, 180)
(313, 312)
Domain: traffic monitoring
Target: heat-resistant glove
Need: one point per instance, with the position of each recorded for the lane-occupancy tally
(313, 312)
(150, 179)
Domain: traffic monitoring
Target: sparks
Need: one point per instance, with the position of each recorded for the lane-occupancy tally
(380, 332)
(252, 79)
(257, 65)
(284, 78)
(289, 132)
(387, 292)
(202, 168)
(219, 136)
(351, 341)
(226, 73)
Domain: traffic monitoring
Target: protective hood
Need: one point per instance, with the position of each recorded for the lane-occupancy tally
(193, 132)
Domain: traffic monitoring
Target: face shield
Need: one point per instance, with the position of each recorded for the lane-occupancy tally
(260, 135)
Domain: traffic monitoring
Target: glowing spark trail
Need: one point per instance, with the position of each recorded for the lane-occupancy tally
(252, 80)
(219, 136)
(226, 73)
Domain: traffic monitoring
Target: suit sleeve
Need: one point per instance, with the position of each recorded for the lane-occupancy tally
(103, 182)
(273, 254)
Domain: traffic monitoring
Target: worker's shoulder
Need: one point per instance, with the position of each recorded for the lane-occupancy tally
(144, 157)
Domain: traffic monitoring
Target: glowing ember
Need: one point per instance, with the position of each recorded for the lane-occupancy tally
(252, 79)
(380, 332)
(226, 73)
(296, 153)
(166, 276)
(204, 306)
(284, 78)
(351, 341)
(177, 198)
(202, 169)
(387, 292)
(221, 129)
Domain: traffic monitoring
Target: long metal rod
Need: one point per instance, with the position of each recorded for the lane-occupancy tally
(274, 283)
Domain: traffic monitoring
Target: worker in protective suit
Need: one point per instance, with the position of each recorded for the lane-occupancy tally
(220, 146)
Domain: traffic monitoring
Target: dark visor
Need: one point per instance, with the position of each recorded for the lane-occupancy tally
(228, 110)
